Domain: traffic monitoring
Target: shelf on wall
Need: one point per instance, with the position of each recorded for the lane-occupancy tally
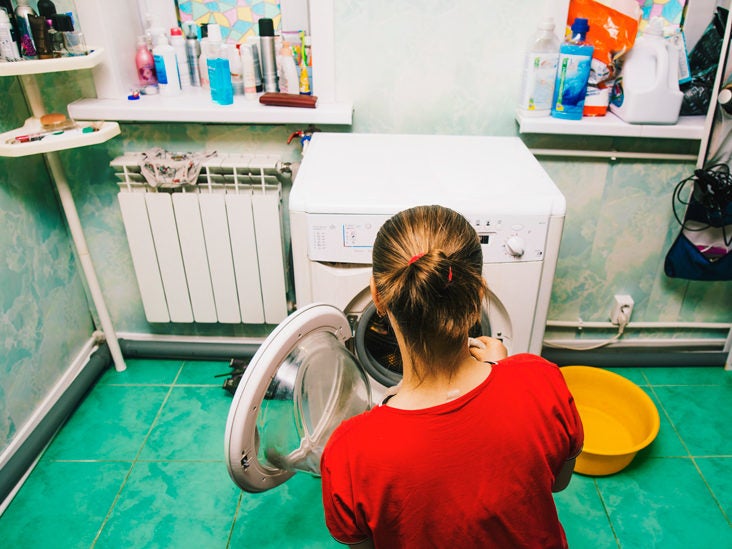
(688, 127)
(68, 139)
(196, 106)
(58, 64)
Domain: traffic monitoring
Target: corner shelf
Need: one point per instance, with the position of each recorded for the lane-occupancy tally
(196, 106)
(69, 139)
(59, 64)
(688, 127)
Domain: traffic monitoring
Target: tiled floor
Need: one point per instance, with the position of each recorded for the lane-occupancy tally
(140, 465)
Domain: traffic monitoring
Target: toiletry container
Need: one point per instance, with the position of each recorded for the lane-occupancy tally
(573, 71)
(647, 91)
(166, 67)
(193, 52)
(540, 72)
(219, 70)
(145, 64)
(268, 55)
(179, 46)
(25, 38)
(8, 46)
(288, 77)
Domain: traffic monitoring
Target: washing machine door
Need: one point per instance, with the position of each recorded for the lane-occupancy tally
(299, 386)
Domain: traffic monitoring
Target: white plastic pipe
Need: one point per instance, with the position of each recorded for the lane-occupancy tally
(77, 235)
(35, 103)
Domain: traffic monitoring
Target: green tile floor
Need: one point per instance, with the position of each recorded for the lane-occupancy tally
(140, 465)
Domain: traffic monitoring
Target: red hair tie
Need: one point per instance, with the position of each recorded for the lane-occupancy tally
(449, 275)
(415, 258)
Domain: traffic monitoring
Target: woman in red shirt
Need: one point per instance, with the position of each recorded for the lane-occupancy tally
(469, 450)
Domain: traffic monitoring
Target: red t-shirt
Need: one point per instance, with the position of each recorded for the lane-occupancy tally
(476, 471)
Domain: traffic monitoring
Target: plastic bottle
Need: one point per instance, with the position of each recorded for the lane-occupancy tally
(248, 77)
(253, 43)
(235, 68)
(145, 64)
(289, 79)
(193, 52)
(25, 38)
(8, 46)
(573, 71)
(540, 71)
(203, 58)
(166, 67)
(648, 89)
(219, 70)
(179, 46)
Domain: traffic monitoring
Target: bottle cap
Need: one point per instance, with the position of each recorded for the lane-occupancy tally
(580, 26)
(214, 32)
(62, 22)
(175, 31)
(266, 27)
(547, 24)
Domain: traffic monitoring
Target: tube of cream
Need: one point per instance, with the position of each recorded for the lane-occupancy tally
(41, 38)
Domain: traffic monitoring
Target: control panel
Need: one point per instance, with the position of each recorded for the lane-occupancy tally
(349, 238)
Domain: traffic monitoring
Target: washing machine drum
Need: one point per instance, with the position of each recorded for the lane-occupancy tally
(299, 386)
(377, 349)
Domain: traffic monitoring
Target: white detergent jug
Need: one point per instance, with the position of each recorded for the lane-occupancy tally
(647, 91)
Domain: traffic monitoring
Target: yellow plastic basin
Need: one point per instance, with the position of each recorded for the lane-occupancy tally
(618, 417)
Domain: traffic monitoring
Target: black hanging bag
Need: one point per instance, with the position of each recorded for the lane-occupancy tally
(703, 248)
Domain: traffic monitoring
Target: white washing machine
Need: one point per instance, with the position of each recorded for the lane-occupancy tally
(333, 357)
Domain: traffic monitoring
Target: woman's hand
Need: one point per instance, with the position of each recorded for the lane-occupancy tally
(487, 349)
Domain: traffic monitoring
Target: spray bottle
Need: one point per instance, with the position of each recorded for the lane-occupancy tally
(269, 58)
(573, 72)
(193, 52)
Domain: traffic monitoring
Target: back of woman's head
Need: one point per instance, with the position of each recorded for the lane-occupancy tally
(427, 267)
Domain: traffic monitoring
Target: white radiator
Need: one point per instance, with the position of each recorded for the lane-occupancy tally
(210, 252)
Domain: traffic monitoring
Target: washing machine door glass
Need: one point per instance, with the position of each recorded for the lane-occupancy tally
(299, 386)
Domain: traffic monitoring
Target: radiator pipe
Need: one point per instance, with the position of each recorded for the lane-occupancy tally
(636, 358)
(183, 350)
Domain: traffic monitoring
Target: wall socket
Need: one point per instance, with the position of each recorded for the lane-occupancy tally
(622, 303)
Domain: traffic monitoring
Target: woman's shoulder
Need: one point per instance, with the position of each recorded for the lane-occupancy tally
(528, 364)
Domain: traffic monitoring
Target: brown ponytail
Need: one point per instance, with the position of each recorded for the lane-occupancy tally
(427, 267)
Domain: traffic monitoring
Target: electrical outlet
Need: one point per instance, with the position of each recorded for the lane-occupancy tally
(623, 304)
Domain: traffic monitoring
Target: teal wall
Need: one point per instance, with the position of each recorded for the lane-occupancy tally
(408, 67)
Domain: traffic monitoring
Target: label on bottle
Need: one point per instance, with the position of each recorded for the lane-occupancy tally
(540, 74)
(571, 86)
(160, 69)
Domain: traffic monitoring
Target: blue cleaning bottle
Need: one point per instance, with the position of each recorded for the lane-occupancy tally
(573, 71)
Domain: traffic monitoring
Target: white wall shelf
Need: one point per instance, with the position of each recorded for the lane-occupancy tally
(688, 127)
(59, 64)
(197, 106)
(69, 139)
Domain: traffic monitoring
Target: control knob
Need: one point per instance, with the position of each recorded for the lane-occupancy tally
(515, 246)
